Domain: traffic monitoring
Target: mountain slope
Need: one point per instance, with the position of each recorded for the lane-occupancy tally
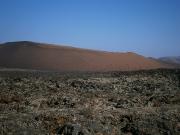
(30, 55)
(171, 60)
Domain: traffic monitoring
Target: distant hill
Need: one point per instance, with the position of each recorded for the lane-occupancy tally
(173, 59)
(40, 56)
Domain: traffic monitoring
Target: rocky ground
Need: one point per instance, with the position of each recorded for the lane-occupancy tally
(116, 103)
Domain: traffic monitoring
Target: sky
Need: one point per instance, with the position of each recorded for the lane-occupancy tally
(147, 27)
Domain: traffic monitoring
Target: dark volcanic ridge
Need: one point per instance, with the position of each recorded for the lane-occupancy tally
(171, 60)
(40, 56)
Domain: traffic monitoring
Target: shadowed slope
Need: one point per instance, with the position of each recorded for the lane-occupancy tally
(30, 55)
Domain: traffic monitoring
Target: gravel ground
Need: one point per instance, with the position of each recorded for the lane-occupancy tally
(116, 103)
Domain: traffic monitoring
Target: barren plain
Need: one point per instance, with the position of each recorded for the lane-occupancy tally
(111, 103)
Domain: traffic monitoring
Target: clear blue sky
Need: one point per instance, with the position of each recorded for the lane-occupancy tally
(147, 27)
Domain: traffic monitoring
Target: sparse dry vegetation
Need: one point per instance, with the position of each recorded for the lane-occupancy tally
(116, 103)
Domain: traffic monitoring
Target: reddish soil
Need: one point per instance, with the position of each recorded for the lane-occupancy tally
(30, 55)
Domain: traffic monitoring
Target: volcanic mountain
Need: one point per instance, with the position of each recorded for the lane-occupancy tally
(39, 56)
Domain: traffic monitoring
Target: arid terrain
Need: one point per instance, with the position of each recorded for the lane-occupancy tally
(114, 103)
(90, 67)
(41, 56)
